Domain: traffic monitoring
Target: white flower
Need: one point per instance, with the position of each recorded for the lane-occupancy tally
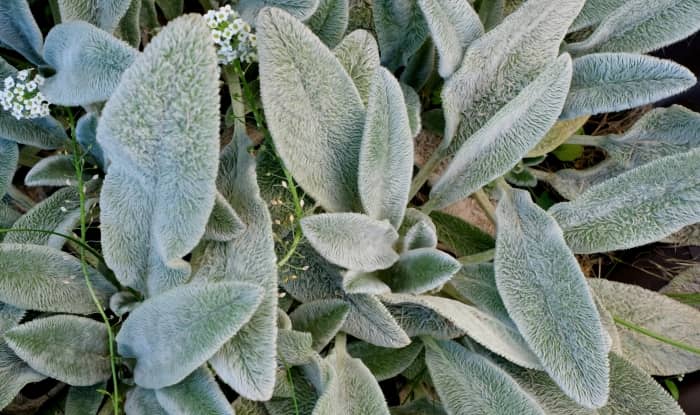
(232, 35)
(21, 96)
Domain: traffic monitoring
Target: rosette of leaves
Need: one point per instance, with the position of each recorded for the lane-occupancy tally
(180, 308)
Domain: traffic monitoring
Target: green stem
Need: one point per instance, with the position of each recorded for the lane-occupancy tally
(78, 164)
(290, 379)
(341, 342)
(424, 173)
(653, 335)
(485, 204)
(584, 140)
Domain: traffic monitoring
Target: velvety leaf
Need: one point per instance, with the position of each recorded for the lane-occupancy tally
(304, 391)
(520, 177)
(611, 82)
(224, 223)
(687, 236)
(140, 401)
(460, 237)
(352, 240)
(593, 12)
(86, 134)
(631, 392)
(330, 21)
(477, 283)
(9, 156)
(316, 124)
(420, 406)
(322, 318)
(160, 185)
(85, 400)
(56, 170)
(318, 279)
(356, 282)
(246, 407)
(385, 363)
(401, 30)
(559, 133)
(89, 63)
(206, 316)
(104, 14)
(10, 316)
(369, 320)
(420, 66)
(8, 216)
(491, 13)
(418, 231)
(510, 56)
(197, 394)
(19, 31)
(386, 153)
(352, 389)
(171, 8)
(59, 213)
(546, 295)
(507, 137)
(71, 349)
(413, 107)
(247, 361)
(684, 284)
(44, 133)
(454, 25)
(129, 28)
(299, 9)
(420, 270)
(606, 217)
(469, 383)
(642, 26)
(359, 55)
(45, 279)
(606, 319)
(659, 314)
(443, 318)
(294, 347)
(15, 374)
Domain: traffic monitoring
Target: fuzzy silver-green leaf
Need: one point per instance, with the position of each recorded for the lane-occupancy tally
(386, 154)
(68, 348)
(507, 137)
(172, 334)
(162, 137)
(546, 295)
(637, 207)
(352, 240)
(314, 112)
(88, 64)
(42, 278)
(611, 82)
(469, 383)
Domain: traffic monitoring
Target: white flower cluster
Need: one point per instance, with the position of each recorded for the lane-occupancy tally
(21, 95)
(232, 35)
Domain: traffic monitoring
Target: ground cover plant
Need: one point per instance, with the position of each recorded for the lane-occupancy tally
(214, 208)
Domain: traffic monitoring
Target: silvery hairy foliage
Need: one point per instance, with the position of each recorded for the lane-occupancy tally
(226, 222)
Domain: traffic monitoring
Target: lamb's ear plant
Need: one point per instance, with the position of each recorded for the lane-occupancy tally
(225, 215)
